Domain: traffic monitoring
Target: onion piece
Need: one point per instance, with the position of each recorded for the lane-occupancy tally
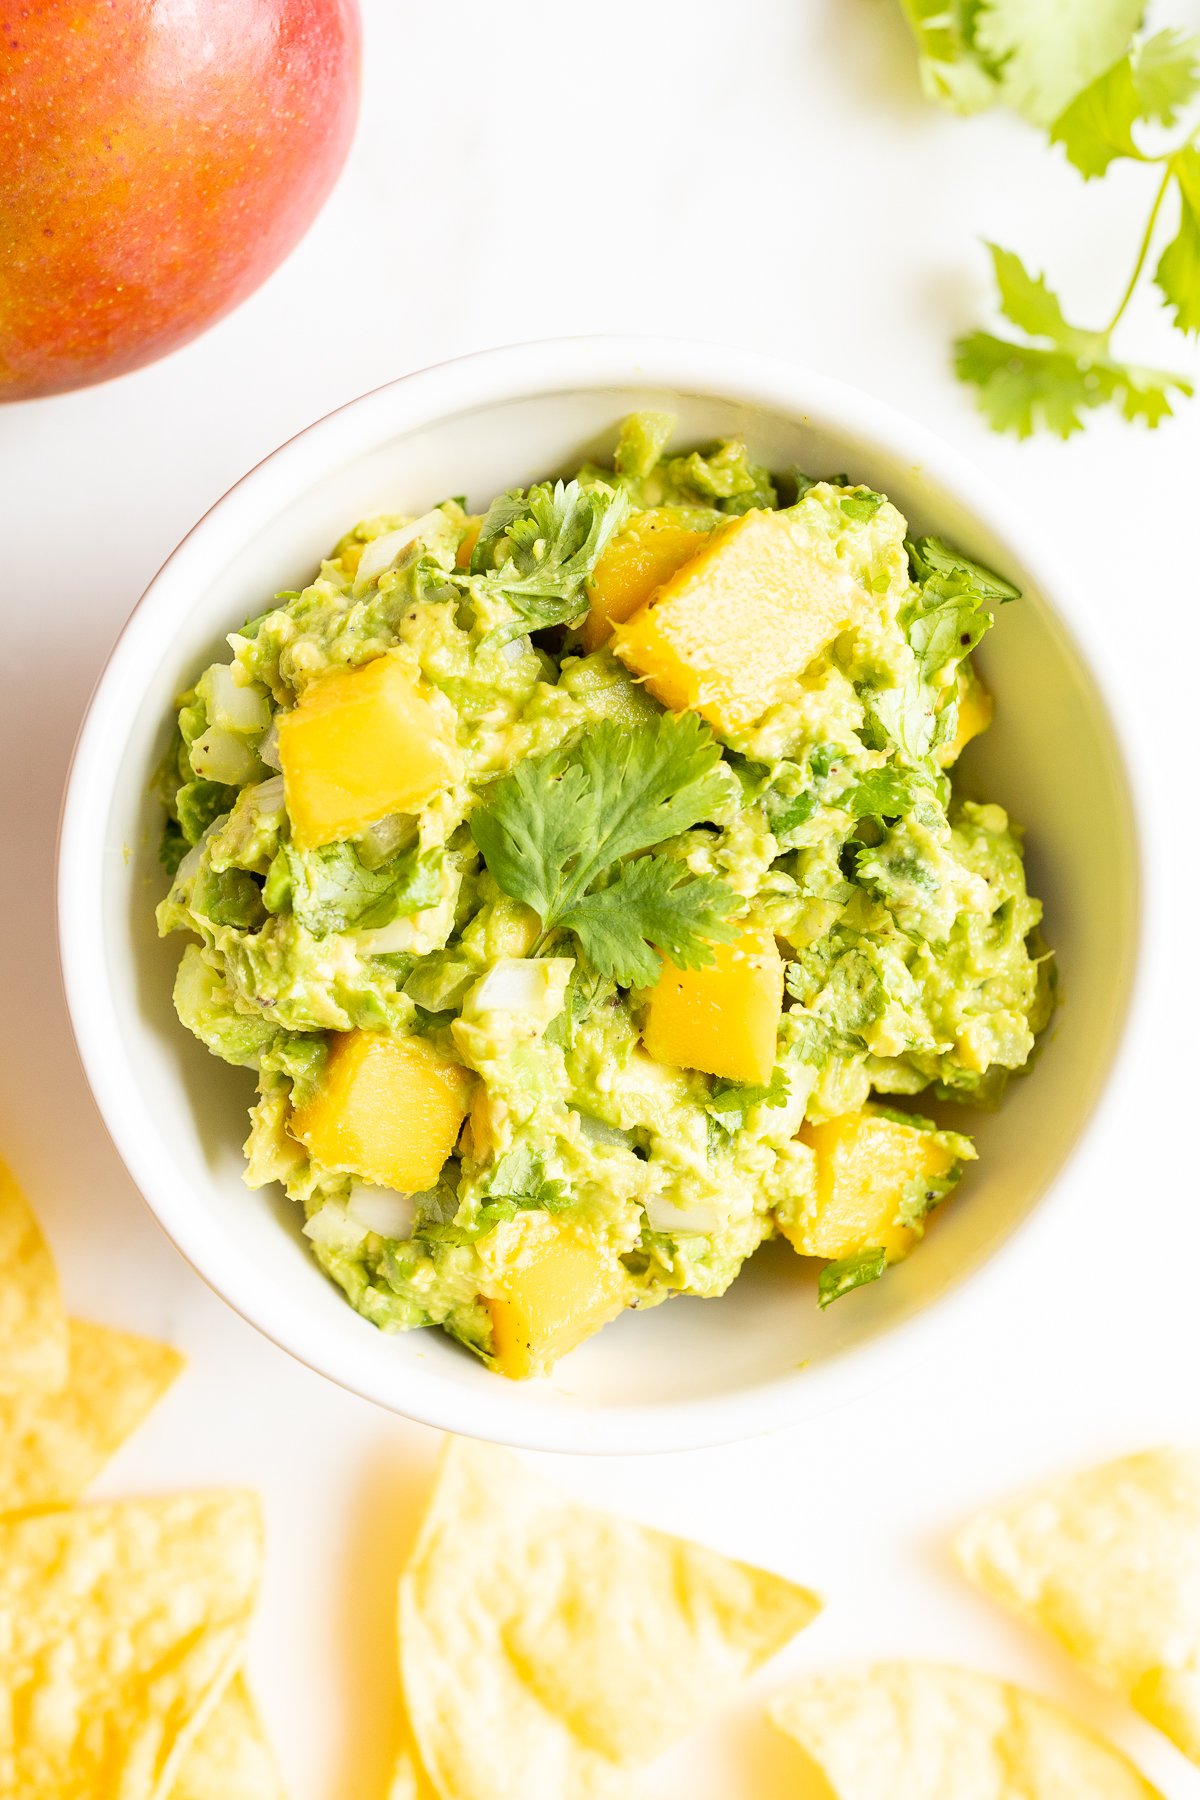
(230, 704)
(268, 748)
(701, 1218)
(533, 985)
(382, 1210)
(601, 1133)
(333, 1228)
(382, 553)
(267, 796)
(220, 755)
(382, 840)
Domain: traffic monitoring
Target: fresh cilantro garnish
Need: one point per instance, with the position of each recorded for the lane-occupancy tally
(887, 793)
(1178, 272)
(538, 546)
(797, 809)
(1148, 85)
(729, 1103)
(1026, 54)
(850, 1272)
(1052, 382)
(1079, 69)
(861, 504)
(331, 889)
(565, 834)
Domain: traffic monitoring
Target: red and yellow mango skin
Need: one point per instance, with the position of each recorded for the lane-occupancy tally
(159, 160)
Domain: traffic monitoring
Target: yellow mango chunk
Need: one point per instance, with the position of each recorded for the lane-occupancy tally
(865, 1164)
(639, 559)
(975, 709)
(388, 1109)
(557, 1292)
(722, 1019)
(727, 634)
(462, 556)
(361, 743)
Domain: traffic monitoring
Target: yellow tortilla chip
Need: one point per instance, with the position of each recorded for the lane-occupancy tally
(52, 1445)
(917, 1731)
(546, 1647)
(33, 1325)
(230, 1758)
(119, 1628)
(1108, 1562)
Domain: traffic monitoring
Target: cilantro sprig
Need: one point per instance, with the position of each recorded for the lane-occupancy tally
(538, 546)
(567, 835)
(1103, 93)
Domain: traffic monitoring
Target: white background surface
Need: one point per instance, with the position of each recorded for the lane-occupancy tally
(767, 175)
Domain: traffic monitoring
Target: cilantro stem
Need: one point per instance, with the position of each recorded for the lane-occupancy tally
(1143, 252)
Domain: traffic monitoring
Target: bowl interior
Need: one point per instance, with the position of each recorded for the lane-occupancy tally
(691, 1370)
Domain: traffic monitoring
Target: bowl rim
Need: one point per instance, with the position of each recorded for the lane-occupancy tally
(426, 396)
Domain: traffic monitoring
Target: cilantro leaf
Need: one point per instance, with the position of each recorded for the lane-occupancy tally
(652, 901)
(554, 826)
(1167, 73)
(728, 1104)
(1178, 272)
(955, 605)
(518, 1183)
(887, 793)
(1043, 55)
(1097, 127)
(850, 1272)
(1022, 386)
(1148, 84)
(332, 890)
(1027, 301)
(538, 547)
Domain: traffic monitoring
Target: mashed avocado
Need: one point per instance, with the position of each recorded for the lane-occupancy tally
(586, 881)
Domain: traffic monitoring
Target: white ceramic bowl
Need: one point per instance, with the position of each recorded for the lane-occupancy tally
(691, 1372)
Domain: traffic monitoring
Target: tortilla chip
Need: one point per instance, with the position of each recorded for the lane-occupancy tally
(916, 1731)
(546, 1647)
(230, 1758)
(52, 1446)
(119, 1628)
(1108, 1562)
(33, 1325)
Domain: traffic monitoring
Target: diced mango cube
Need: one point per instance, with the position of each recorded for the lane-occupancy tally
(361, 743)
(388, 1109)
(722, 1019)
(975, 709)
(866, 1167)
(558, 1290)
(741, 620)
(462, 556)
(638, 560)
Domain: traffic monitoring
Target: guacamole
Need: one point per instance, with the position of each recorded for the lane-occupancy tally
(586, 884)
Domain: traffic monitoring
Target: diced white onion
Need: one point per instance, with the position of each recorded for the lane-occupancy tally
(268, 796)
(233, 706)
(334, 1229)
(700, 1217)
(535, 986)
(219, 755)
(389, 940)
(601, 1133)
(515, 649)
(380, 841)
(382, 1210)
(268, 749)
(188, 866)
(382, 553)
